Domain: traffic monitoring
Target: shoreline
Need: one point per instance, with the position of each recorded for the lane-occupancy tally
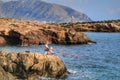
(26, 33)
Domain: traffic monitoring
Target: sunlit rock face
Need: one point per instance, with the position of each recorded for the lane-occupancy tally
(22, 32)
(27, 65)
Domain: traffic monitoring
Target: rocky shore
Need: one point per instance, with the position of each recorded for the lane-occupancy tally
(108, 26)
(25, 33)
(30, 66)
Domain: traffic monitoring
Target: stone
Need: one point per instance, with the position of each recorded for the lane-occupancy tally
(27, 65)
(5, 75)
(26, 33)
(2, 41)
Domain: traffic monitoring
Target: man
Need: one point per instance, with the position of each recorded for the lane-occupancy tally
(46, 48)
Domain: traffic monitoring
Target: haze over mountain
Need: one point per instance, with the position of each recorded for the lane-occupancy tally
(40, 10)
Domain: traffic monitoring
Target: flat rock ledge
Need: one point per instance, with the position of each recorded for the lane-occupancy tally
(30, 66)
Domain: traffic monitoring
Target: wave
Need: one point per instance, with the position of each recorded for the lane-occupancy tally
(72, 71)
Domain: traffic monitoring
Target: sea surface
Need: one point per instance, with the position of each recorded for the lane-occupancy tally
(99, 61)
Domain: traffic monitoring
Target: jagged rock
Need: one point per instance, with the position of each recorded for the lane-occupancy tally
(26, 65)
(96, 27)
(107, 27)
(21, 32)
(5, 75)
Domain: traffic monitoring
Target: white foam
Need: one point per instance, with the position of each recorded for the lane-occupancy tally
(72, 71)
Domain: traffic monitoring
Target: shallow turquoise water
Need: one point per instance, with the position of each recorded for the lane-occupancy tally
(99, 61)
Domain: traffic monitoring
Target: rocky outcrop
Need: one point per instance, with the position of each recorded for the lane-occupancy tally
(107, 27)
(21, 32)
(26, 65)
(5, 75)
(95, 26)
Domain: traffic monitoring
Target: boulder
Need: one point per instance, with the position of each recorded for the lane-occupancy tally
(27, 65)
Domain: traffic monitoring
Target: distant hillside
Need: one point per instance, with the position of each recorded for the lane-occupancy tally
(40, 10)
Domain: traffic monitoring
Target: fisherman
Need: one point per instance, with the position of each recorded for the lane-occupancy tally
(46, 48)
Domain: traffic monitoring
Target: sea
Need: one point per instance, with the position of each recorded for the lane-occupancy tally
(100, 61)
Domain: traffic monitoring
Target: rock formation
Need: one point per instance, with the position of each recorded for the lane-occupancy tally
(22, 32)
(5, 75)
(95, 26)
(30, 66)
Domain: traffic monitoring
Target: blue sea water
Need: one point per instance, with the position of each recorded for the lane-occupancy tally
(99, 61)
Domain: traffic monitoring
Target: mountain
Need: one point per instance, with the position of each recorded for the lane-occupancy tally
(40, 10)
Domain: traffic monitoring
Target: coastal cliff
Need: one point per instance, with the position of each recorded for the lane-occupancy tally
(30, 66)
(25, 33)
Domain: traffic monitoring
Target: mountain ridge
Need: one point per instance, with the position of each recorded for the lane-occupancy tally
(41, 11)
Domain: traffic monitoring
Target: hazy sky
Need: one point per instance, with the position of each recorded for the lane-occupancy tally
(95, 9)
